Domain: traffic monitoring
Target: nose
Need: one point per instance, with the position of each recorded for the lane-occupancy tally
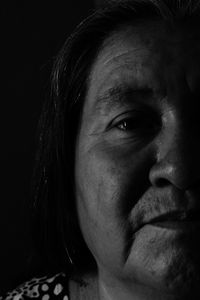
(177, 155)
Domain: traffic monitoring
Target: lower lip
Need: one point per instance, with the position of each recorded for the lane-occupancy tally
(178, 225)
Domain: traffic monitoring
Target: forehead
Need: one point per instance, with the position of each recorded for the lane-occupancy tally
(143, 55)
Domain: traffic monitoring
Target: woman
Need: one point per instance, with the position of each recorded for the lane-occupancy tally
(61, 175)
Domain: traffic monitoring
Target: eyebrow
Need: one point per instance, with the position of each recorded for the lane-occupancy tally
(118, 95)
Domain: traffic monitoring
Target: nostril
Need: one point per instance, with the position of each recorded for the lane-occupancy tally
(161, 182)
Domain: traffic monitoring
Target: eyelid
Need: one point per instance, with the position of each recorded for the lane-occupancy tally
(146, 121)
(127, 113)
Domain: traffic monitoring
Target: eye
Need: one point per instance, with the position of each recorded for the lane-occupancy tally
(127, 124)
(137, 122)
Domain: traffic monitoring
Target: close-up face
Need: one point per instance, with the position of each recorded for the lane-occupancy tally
(137, 157)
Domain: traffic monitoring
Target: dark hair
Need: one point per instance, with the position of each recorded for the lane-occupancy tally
(56, 227)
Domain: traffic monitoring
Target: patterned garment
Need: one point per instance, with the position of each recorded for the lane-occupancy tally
(44, 288)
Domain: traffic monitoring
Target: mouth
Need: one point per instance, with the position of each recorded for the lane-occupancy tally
(178, 219)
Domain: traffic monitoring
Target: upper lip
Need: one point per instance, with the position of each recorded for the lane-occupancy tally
(191, 215)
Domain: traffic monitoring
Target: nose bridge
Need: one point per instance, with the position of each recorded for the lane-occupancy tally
(177, 154)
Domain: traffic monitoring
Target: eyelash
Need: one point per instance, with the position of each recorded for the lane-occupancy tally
(124, 122)
(136, 122)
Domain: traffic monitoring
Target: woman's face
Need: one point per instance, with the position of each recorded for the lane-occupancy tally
(137, 158)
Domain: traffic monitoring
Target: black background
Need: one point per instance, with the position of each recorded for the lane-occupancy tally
(32, 34)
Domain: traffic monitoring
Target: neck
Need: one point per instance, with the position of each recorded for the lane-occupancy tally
(92, 286)
(84, 286)
(110, 288)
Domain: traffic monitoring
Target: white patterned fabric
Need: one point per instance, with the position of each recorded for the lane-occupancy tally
(44, 288)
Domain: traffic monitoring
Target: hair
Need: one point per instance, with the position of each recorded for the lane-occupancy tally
(55, 222)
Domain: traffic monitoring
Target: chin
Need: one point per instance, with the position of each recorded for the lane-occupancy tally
(182, 279)
(168, 264)
(178, 276)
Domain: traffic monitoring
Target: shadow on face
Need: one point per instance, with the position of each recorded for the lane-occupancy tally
(137, 161)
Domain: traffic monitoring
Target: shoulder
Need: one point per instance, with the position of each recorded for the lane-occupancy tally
(44, 288)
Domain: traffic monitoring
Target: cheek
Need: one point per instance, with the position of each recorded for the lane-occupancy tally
(99, 179)
(110, 180)
(107, 186)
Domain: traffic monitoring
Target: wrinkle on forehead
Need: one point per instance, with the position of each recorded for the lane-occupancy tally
(120, 65)
(128, 48)
(128, 41)
(124, 68)
(128, 54)
(149, 56)
(148, 35)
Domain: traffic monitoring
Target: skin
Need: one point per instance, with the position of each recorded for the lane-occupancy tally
(137, 158)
